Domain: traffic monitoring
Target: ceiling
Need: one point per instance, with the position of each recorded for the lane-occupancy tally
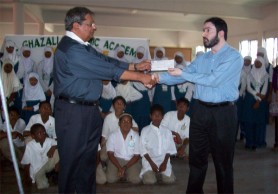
(166, 15)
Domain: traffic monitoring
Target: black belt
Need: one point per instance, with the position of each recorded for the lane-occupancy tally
(86, 103)
(220, 104)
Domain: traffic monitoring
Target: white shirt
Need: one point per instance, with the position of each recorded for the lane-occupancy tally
(36, 155)
(157, 142)
(19, 127)
(123, 148)
(171, 122)
(49, 125)
(111, 124)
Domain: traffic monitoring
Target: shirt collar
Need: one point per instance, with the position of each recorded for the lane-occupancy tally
(77, 38)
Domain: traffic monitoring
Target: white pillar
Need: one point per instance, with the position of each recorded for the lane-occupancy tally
(18, 18)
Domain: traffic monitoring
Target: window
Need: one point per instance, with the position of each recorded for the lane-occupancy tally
(249, 48)
(271, 45)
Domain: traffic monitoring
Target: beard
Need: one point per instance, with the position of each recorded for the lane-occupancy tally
(211, 43)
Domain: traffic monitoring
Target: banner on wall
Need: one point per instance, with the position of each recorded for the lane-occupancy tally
(106, 45)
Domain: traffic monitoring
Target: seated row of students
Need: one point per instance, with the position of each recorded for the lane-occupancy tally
(35, 157)
(22, 133)
(121, 145)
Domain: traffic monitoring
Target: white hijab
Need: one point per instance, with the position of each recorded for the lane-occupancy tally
(10, 56)
(262, 50)
(120, 49)
(140, 49)
(162, 50)
(10, 81)
(33, 92)
(247, 69)
(259, 73)
(108, 91)
(127, 91)
(26, 63)
(183, 64)
(47, 62)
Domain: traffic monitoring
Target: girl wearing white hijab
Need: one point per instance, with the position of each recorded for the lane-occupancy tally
(10, 53)
(26, 64)
(242, 91)
(45, 71)
(159, 54)
(255, 105)
(32, 96)
(161, 93)
(11, 83)
(119, 53)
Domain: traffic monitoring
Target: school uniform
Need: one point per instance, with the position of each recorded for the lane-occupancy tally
(257, 82)
(124, 150)
(11, 85)
(40, 164)
(18, 143)
(110, 125)
(107, 96)
(171, 122)
(156, 142)
(45, 71)
(13, 57)
(130, 94)
(49, 125)
(32, 96)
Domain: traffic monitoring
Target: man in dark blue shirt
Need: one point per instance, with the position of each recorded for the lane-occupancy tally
(78, 73)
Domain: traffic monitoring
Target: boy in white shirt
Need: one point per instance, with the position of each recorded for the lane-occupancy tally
(123, 153)
(156, 146)
(178, 122)
(111, 124)
(44, 117)
(17, 125)
(40, 156)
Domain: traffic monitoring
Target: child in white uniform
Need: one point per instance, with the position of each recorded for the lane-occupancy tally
(156, 146)
(41, 156)
(123, 152)
(17, 125)
(178, 122)
(44, 117)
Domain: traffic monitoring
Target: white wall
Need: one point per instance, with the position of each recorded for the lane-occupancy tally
(238, 31)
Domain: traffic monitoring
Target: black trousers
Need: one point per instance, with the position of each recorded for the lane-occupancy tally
(78, 129)
(212, 130)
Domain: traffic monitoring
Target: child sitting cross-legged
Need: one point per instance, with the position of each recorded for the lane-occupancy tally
(40, 157)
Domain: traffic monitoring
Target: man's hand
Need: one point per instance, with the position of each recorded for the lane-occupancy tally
(174, 71)
(148, 81)
(143, 66)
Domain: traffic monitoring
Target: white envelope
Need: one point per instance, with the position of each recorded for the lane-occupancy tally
(162, 65)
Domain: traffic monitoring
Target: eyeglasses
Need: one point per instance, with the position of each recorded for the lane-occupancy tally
(93, 25)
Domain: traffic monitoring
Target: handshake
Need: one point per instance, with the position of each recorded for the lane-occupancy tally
(151, 80)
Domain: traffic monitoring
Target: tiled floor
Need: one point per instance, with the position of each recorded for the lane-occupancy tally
(254, 172)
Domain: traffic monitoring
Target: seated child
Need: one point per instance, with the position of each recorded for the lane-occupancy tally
(156, 146)
(123, 153)
(178, 122)
(17, 125)
(40, 157)
(44, 117)
(111, 124)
